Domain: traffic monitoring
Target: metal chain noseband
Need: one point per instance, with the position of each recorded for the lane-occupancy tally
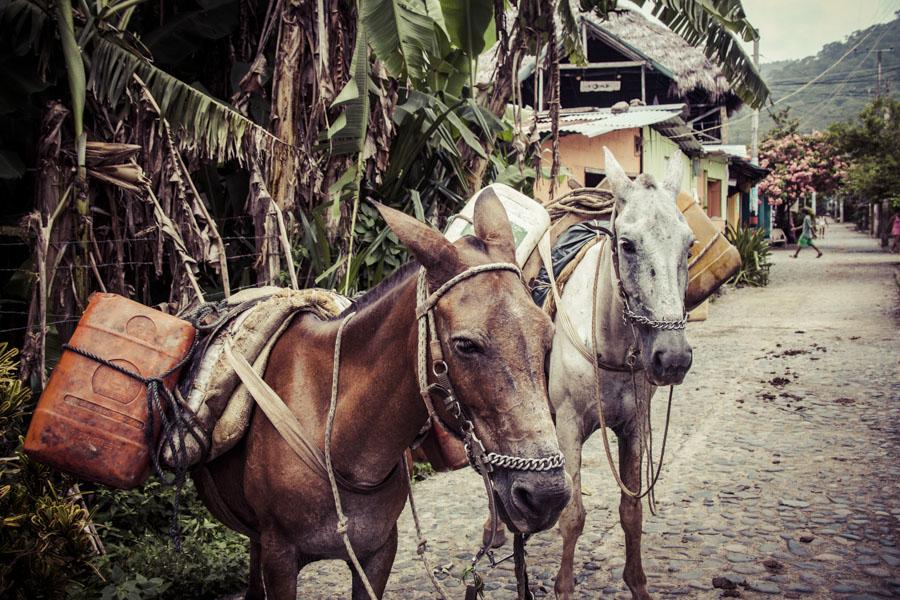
(517, 463)
(663, 324)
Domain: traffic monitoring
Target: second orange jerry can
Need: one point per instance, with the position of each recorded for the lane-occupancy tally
(91, 420)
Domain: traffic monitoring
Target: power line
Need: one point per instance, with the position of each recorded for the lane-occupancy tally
(798, 90)
(819, 106)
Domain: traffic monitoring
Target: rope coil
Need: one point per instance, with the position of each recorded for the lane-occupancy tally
(176, 419)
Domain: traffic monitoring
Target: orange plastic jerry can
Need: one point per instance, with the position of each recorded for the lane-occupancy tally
(91, 420)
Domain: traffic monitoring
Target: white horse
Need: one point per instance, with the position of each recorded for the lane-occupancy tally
(637, 318)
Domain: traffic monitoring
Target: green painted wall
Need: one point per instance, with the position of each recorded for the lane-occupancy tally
(657, 150)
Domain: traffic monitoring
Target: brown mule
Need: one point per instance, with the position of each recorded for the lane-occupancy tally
(494, 340)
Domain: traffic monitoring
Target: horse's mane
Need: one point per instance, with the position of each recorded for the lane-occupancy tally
(379, 291)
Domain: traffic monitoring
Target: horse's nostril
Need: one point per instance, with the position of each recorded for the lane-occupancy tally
(525, 498)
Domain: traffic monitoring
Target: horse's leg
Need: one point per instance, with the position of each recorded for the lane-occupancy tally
(377, 567)
(571, 521)
(255, 590)
(630, 513)
(279, 566)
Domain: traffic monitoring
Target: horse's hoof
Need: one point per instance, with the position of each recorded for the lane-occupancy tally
(499, 537)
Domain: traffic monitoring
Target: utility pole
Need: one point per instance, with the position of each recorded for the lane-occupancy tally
(754, 138)
(878, 75)
(880, 85)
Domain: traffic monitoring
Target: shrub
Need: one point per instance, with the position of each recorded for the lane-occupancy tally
(754, 250)
(141, 561)
(45, 547)
(47, 550)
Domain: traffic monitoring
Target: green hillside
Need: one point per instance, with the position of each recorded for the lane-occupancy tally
(841, 93)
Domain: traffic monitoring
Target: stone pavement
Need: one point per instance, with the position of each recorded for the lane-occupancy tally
(782, 476)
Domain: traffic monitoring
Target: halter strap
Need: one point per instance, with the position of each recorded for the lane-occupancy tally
(479, 458)
(428, 303)
(628, 315)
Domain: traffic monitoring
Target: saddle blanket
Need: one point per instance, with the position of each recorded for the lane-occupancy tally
(254, 320)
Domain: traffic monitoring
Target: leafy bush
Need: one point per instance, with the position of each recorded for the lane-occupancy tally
(45, 546)
(754, 250)
(141, 561)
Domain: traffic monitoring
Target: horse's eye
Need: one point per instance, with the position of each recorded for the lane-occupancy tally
(467, 346)
(628, 246)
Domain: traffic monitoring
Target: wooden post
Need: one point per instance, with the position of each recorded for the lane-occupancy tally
(644, 84)
(754, 138)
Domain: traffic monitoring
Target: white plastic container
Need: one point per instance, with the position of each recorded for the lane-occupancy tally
(528, 218)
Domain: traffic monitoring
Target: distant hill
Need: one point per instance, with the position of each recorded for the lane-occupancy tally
(841, 93)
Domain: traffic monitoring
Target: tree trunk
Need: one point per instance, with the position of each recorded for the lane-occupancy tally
(52, 227)
(285, 78)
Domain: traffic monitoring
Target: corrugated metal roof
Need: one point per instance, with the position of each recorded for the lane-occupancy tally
(681, 133)
(611, 122)
(635, 116)
(739, 150)
(665, 118)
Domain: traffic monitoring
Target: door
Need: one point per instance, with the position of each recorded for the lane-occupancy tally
(714, 198)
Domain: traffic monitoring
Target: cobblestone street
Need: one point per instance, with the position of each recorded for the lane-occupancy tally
(783, 469)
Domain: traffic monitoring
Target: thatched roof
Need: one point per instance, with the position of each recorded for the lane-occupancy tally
(634, 34)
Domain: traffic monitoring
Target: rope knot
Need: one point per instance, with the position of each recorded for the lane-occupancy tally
(422, 547)
(342, 525)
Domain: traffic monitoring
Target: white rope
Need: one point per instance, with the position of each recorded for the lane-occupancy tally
(329, 426)
(421, 542)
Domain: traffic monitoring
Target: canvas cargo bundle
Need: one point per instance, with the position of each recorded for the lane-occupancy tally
(212, 389)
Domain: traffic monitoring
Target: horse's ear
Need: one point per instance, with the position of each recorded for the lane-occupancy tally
(672, 180)
(492, 224)
(618, 180)
(437, 255)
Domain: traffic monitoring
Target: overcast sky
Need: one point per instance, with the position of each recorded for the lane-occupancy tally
(799, 28)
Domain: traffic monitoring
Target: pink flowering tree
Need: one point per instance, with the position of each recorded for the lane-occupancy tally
(799, 165)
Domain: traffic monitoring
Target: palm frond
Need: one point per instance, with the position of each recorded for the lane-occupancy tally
(470, 24)
(406, 35)
(714, 24)
(348, 133)
(207, 127)
(24, 22)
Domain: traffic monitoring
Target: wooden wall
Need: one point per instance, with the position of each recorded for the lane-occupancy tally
(579, 153)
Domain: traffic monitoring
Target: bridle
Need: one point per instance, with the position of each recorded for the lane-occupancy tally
(480, 459)
(483, 462)
(464, 429)
(630, 318)
(628, 315)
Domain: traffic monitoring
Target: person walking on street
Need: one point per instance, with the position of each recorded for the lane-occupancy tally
(807, 234)
(895, 233)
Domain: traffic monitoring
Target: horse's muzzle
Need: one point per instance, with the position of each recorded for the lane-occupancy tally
(669, 363)
(532, 501)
